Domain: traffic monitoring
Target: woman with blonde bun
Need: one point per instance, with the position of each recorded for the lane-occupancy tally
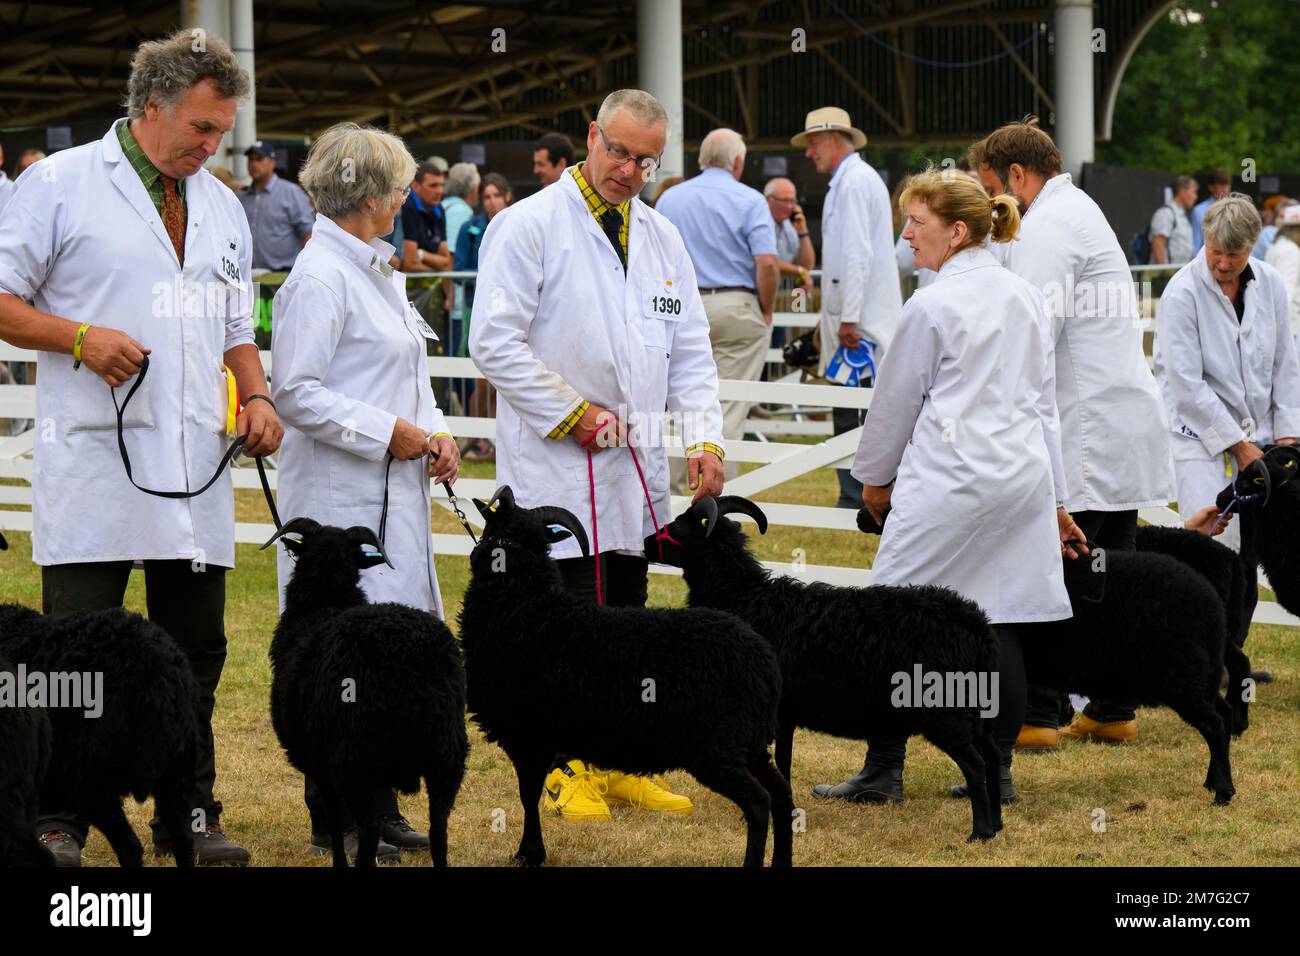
(960, 454)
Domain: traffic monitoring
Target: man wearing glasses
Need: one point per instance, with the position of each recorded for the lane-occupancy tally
(588, 322)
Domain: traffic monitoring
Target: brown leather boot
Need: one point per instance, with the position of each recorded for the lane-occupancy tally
(1084, 727)
(1037, 739)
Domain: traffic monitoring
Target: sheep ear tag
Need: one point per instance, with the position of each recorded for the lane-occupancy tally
(373, 557)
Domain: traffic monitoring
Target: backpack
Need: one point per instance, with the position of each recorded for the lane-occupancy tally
(1139, 248)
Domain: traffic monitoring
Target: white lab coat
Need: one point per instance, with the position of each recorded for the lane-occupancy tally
(1114, 434)
(348, 360)
(859, 268)
(963, 416)
(1284, 256)
(81, 239)
(1224, 381)
(555, 321)
(7, 187)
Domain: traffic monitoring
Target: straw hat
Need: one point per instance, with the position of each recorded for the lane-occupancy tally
(828, 119)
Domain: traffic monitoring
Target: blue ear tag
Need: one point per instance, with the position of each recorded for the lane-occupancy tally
(848, 366)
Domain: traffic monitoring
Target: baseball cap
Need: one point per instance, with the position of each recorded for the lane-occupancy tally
(260, 148)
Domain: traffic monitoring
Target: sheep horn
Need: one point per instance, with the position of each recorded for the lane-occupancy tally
(549, 514)
(728, 504)
(363, 535)
(302, 526)
(709, 506)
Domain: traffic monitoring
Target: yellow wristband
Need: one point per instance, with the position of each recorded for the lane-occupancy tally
(440, 435)
(76, 345)
(232, 401)
(705, 446)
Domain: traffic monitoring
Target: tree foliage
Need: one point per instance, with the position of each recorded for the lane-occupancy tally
(1214, 83)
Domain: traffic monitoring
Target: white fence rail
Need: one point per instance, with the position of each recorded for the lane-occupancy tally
(778, 462)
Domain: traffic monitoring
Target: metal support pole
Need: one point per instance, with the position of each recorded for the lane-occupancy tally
(1075, 123)
(659, 71)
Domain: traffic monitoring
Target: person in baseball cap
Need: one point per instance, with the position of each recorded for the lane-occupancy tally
(279, 213)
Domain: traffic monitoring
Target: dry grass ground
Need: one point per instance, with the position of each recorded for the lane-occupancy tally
(1155, 811)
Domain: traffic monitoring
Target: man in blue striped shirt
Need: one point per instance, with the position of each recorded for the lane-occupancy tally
(729, 236)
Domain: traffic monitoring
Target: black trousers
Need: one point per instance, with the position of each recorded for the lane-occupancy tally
(319, 813)
(188, 602)
(624, 578)
(891, 751)
(845, 420)
(1114, 531)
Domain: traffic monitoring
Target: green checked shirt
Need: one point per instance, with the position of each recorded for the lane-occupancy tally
(147, 171)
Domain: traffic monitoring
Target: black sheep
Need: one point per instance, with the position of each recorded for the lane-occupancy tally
(841, 647)
(1270, 521)
(143, 742)
(1147, 630)
(639, 690)
(25, 743)
(1225, 571)
(364, 697)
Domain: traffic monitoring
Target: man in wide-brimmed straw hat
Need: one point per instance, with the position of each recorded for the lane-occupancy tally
(860, 296)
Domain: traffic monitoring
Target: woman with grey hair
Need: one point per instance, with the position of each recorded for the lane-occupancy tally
(1225, 358)
(364, 433)
(1284, 256)
(460, 196)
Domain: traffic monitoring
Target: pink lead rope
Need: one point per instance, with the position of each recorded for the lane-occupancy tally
(661, 533)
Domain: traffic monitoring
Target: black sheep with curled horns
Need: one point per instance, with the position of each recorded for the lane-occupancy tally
(841, 648)
(364, 697)
(641, 690)
(1148, 630)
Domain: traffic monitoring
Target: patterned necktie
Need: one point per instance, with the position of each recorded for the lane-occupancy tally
(173, 217)
(613, 223)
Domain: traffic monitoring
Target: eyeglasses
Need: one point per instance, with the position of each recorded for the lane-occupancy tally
(404, 192)
(621, 156)
(788, 202)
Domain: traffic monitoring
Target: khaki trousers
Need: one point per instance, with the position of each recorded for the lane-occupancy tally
(740, 341)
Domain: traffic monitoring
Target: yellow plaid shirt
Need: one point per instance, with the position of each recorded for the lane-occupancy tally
(599, 206)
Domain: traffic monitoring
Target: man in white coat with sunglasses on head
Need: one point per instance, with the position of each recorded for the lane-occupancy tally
(110, 252)
(588, 323)
(1114, 433)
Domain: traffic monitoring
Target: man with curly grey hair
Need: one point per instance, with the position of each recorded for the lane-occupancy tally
(110, 252)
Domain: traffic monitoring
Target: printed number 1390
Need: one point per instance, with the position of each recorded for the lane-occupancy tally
(666, 306)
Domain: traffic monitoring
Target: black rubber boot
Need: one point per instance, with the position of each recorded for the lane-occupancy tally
(1006, 789)
(871, 784)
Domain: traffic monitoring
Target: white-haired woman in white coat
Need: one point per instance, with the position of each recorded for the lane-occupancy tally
(961, 448)
(351, 383)
(1225, 358)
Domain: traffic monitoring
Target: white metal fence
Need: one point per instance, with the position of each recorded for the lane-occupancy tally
(793, 407)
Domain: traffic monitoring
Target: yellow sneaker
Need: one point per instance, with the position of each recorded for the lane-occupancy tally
(1115, 732)
(648, 793)
(574, 792)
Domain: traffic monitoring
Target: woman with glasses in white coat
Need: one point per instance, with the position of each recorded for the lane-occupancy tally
(351, 382)
(960, 454)
(1225, 358)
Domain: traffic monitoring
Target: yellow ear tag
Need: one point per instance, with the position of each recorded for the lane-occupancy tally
(704, 521)
(492, 507)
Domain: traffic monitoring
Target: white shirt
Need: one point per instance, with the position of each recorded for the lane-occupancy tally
(963, 415)
(859, 270)
(1114, 435)
(1284, 256)
(1225, 381)
(82, 239)
(7, 187)
(556, 322)
(787, 241)
(349, 360)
